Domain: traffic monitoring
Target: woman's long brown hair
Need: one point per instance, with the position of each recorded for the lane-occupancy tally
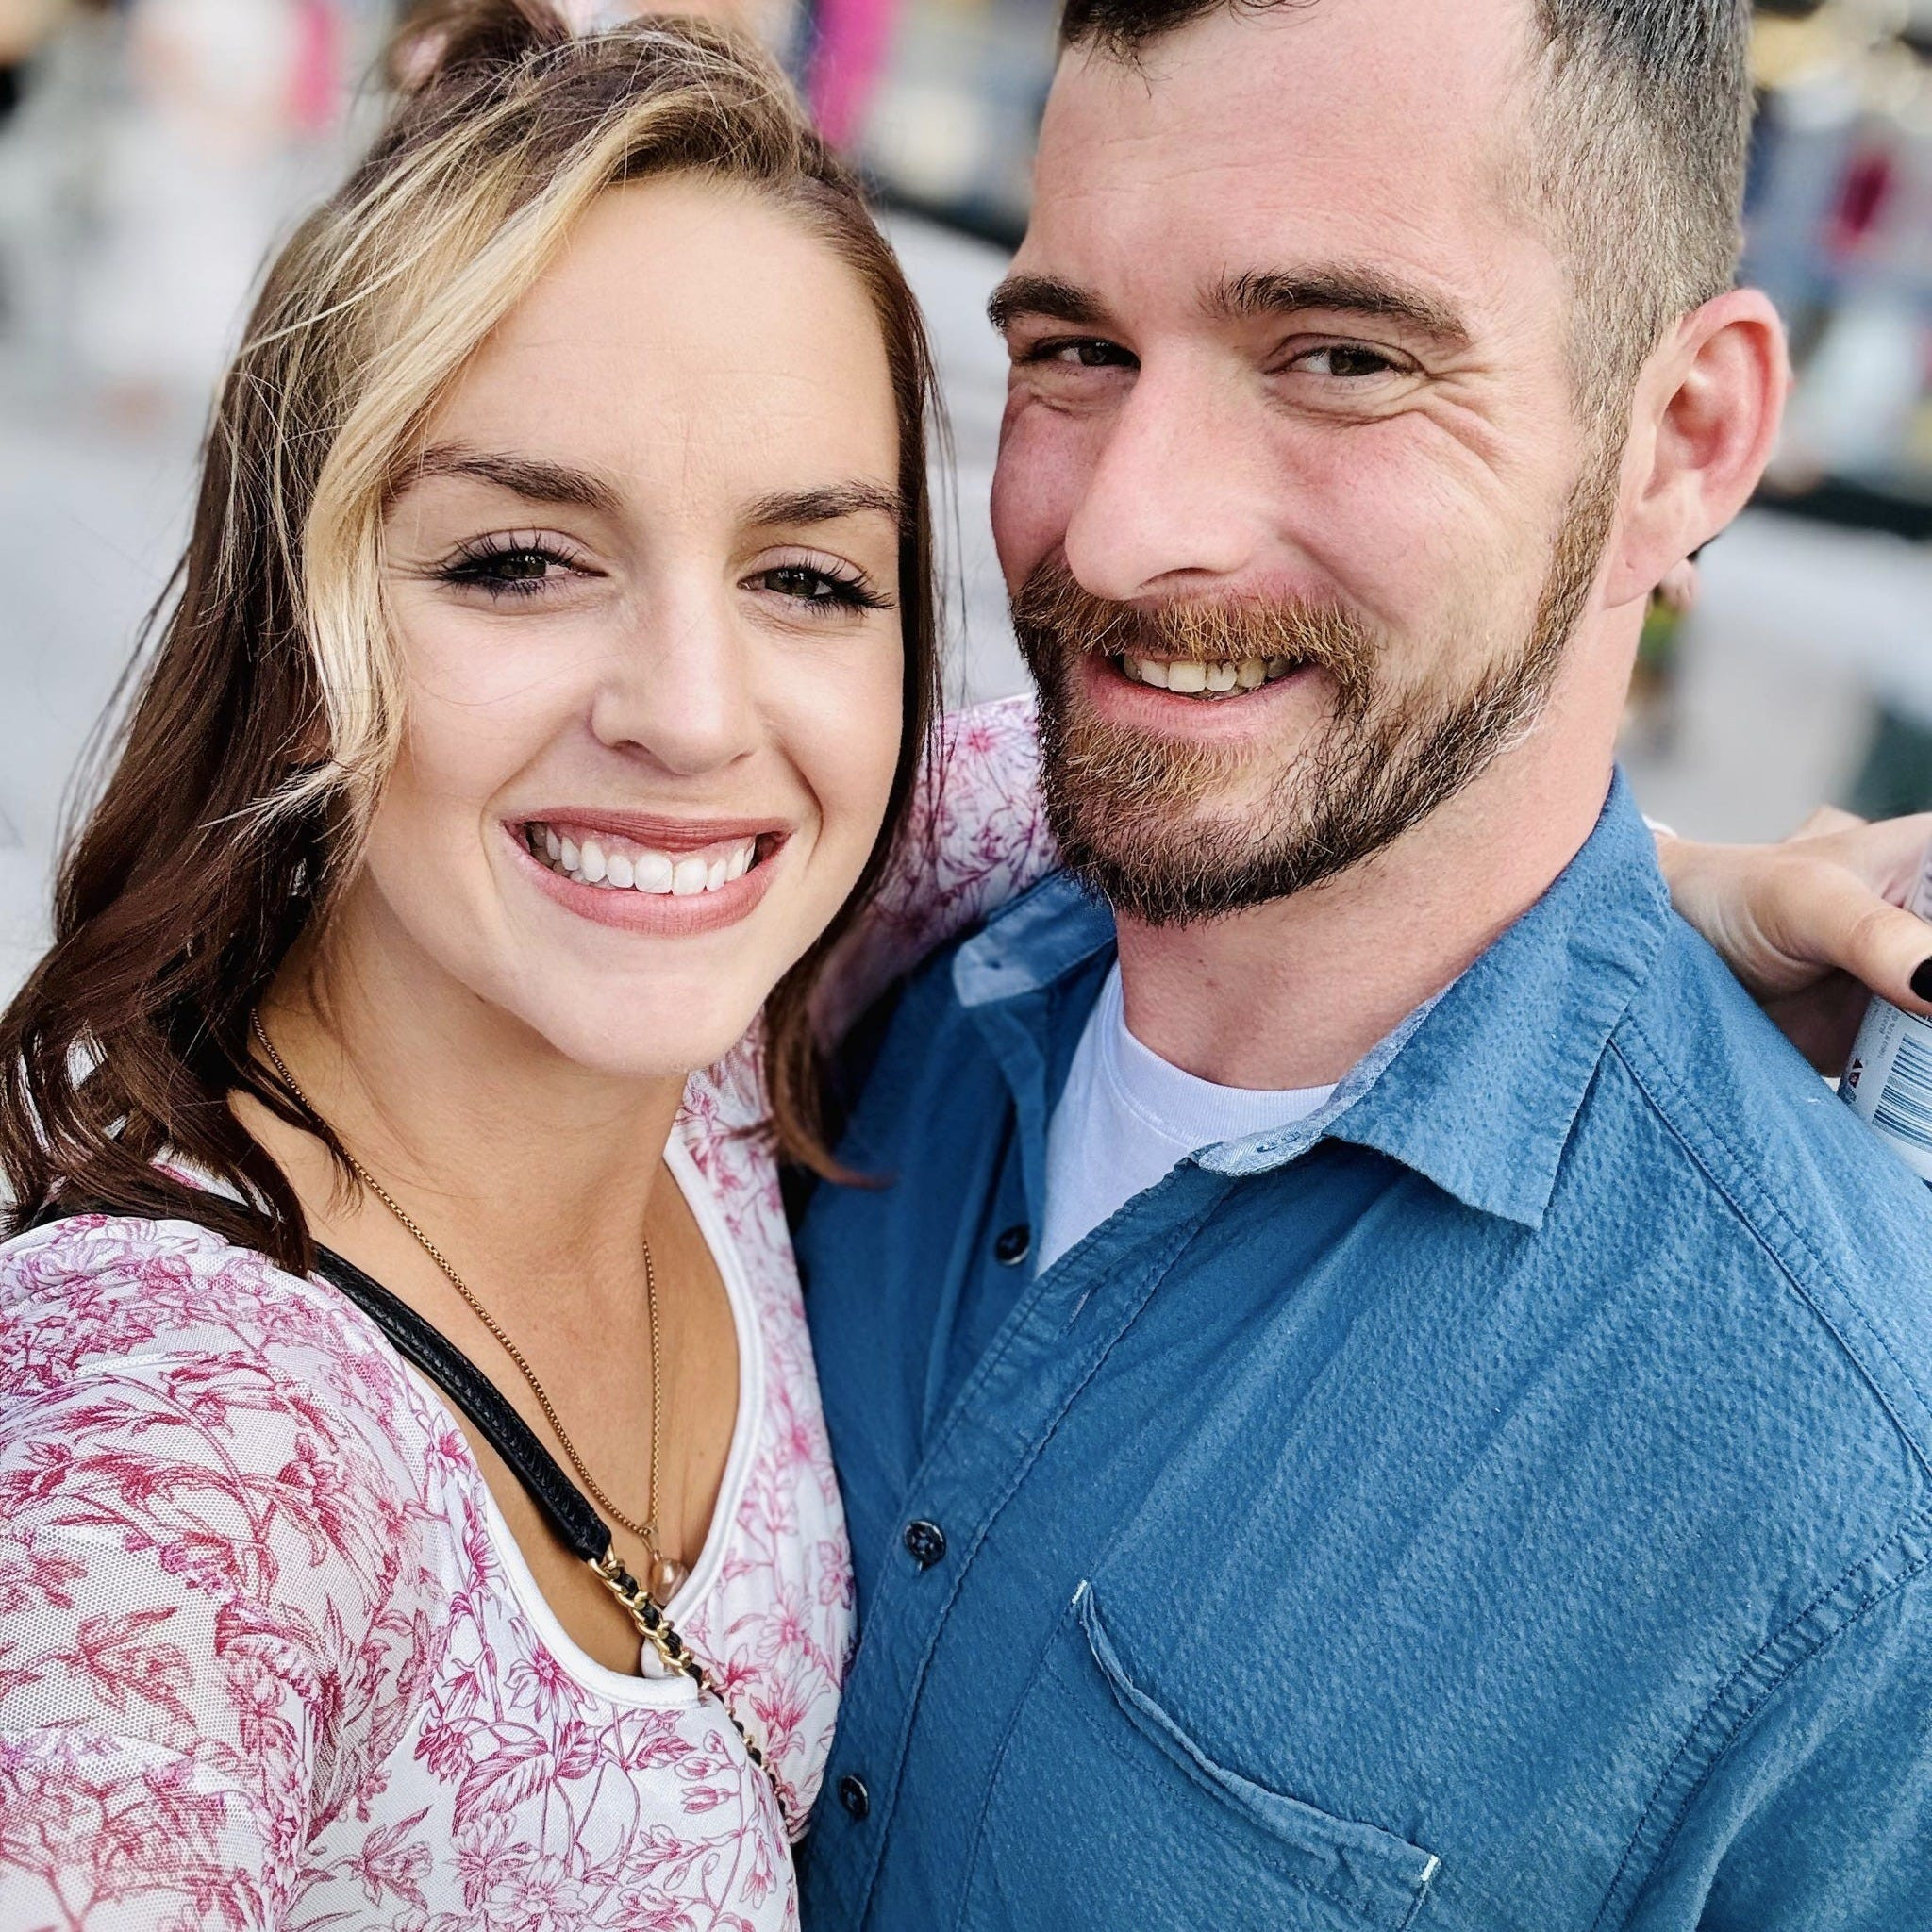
(266, 717)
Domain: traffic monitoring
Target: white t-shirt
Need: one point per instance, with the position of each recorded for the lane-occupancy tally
(1128, 1116)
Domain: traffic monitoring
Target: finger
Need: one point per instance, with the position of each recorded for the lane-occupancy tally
(1831, 916)
(1829, 818)
(1888, 855)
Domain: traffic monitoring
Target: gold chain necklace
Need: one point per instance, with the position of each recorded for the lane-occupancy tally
(645, 1606)
(665, 1574)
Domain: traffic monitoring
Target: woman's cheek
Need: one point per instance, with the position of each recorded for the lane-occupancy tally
(481, 698)
(846, 748)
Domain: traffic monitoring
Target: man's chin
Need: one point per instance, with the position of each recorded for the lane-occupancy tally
(1165, 861)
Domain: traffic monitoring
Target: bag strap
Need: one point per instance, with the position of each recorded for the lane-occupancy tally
(570, 1512)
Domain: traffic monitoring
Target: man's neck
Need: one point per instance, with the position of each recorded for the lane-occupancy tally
(1295, 993)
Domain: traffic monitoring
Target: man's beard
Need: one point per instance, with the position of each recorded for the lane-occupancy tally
(1128, 806)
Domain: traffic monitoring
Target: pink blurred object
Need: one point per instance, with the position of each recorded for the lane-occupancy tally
(316, 70)
(1864, 196)
(854, 36)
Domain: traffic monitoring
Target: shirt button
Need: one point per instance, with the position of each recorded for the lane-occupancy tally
(1013, 1245)
(854, 1796)
(926, 1543)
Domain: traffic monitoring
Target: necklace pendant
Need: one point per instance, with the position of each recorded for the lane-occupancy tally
(665, 1580)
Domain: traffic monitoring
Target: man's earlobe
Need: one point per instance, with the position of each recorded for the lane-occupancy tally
(1707, 416)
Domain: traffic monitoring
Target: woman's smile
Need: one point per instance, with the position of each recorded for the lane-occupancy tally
(661, 875)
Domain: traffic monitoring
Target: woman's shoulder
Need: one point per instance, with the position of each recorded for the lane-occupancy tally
(227, 1536)
(980, 794)
(161, 1332)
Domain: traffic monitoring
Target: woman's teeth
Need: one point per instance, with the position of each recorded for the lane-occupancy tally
(597, 859)
(1191, 679)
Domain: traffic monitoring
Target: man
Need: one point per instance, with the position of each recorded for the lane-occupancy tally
(1382, 1393)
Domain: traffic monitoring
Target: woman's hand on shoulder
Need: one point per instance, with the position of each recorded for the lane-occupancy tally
(1813, 925)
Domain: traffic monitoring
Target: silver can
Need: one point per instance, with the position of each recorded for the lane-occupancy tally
(1888, 1081)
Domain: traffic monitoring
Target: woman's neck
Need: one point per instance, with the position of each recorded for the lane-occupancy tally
(472, 1119)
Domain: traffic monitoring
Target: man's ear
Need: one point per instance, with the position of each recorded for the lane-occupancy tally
(1704, 423)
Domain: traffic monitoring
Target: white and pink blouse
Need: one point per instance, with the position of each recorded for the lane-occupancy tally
(269, 1655)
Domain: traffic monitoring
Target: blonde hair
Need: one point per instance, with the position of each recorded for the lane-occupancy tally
(387, 291)
(270, 714)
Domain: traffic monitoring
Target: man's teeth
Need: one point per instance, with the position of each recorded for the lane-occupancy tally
(619, 866)
(1195, 679)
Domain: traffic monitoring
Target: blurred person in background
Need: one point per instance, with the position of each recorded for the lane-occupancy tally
(551, 664)
(844, 45)
(420, 25)
(25, 27)
(198, 161)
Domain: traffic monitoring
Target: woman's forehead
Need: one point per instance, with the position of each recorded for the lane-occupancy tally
(686, 324)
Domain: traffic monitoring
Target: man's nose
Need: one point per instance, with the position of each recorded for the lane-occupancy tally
(1172, 503)
(678, 686)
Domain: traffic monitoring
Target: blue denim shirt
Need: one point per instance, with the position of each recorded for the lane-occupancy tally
(1501, 1501)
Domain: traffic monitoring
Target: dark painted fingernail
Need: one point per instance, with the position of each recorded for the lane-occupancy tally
(1922, 982)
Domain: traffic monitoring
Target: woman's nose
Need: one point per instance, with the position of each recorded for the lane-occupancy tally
(677, 687)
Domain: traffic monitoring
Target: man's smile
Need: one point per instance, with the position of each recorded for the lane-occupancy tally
(1191, 677)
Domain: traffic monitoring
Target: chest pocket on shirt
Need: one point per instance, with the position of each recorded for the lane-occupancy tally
(1105, 1814)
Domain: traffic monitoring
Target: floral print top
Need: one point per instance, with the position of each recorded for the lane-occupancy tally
(269, 1655)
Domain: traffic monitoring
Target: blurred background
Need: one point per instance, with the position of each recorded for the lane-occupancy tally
(152, 151)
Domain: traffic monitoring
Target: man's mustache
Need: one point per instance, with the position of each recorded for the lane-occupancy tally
(1055, 619)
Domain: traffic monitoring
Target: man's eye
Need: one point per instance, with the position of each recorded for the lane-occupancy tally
(1086, 352)
(1348, 361)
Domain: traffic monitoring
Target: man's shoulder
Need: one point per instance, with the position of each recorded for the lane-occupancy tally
(1752, 1173)
(1762, 1124)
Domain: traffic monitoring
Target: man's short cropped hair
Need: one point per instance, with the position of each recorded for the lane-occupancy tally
(1638, 117)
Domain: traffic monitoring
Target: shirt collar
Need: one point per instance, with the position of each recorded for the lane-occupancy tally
(1478, 1088)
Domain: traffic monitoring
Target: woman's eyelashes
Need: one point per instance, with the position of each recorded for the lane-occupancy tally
(527, 565)
(819, 587)
(514, 564)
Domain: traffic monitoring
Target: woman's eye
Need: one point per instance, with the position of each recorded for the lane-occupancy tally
(517, 569)
(818, 589)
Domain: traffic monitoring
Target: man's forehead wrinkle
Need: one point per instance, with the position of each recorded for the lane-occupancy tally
(1259, 152)
(1446, 65)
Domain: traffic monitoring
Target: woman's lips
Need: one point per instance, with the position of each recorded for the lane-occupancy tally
(691, 878)
(662, 833)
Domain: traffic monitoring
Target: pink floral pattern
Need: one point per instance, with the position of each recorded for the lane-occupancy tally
(263, 1661)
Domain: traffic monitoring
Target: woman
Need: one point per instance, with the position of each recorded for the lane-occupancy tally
(418, 890)
(553, 660)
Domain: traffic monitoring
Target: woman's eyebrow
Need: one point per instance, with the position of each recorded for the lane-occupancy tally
(531, 477)
(827, 504)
